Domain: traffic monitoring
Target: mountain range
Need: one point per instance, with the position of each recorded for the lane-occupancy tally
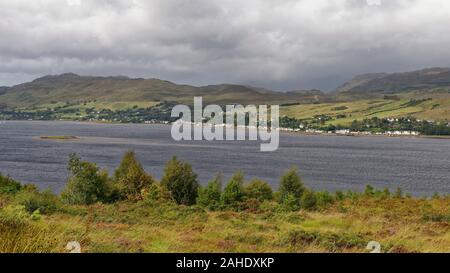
(73, 88)
(70, 87)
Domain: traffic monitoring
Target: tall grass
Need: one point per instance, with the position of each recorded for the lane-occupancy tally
(18, 234)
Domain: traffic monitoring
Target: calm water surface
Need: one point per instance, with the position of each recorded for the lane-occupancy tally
(419, 166)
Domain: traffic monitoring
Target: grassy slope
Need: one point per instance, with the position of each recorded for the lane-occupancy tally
(107, 91)
(400, 225)
(436, 109)
(120, 93)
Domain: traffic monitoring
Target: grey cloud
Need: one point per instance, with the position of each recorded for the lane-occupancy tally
(282, 45)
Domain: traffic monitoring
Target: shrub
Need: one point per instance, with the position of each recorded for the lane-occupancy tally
(435, 195)
(181, 181)
(8, 185)
(340, 241)
(352, 195)
(269, 206)
(259, 190)
(250, 205)
(300, 237)
(385, 193)
(339, 195)
(87, 184)
(33, 200)
(131, 177)
(14, 216)
(436, 217)
(155, 193)
(209, 196)
(369, 191)
(332, 241)
(290, 203)
(324, 199)
(233, 193)
(291, 184)
(308, 200)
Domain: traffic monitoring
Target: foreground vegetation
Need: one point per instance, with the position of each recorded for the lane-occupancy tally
(132, 212)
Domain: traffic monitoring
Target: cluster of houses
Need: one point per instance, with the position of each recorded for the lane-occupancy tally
(349, 132)
(155, 121)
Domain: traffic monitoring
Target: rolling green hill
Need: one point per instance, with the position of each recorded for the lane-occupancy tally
(424, 94)
(113, 92)
(433, 106)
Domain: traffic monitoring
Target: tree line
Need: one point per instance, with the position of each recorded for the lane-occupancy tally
(88, 184)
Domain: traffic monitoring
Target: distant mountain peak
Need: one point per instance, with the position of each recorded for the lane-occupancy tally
(59, 76)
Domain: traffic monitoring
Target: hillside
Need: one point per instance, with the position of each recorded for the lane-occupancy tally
(426, 79)
(3, 89)
(109, 90)
(433, 106)
(423, 94)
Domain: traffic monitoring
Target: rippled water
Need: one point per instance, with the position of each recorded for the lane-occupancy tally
(419, 166)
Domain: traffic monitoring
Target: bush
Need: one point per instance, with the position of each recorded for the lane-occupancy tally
(181, 181)
(352, 195)
(385, 193)
(155, 193)
(250, 205)
(33, 200)
(233, 193)
(87, 184)
(339, 195)
(291, 184)
(369, 191)
(436, 217)
(324, 199)
(14, 216)
(299, 238)
(290, 203)
(269, 206)
(259, 190)
(209, 196)
(308, 200)
(332, 241)
(8, 185)
(435, 196)
(131, 177)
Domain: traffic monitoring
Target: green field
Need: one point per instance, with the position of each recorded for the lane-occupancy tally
(91, 104)
(435, 106)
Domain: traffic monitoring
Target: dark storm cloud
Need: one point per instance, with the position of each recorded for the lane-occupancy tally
(276, 44)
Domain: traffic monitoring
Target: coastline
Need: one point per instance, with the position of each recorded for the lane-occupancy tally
(281, 131)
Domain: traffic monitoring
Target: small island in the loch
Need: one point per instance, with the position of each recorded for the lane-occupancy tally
(59, 137)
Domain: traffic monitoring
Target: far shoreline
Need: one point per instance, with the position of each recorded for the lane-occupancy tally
(281, 131)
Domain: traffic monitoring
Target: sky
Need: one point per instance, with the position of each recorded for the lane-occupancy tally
(280, 45)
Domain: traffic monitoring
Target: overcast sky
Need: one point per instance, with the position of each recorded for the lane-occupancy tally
(282, 45)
